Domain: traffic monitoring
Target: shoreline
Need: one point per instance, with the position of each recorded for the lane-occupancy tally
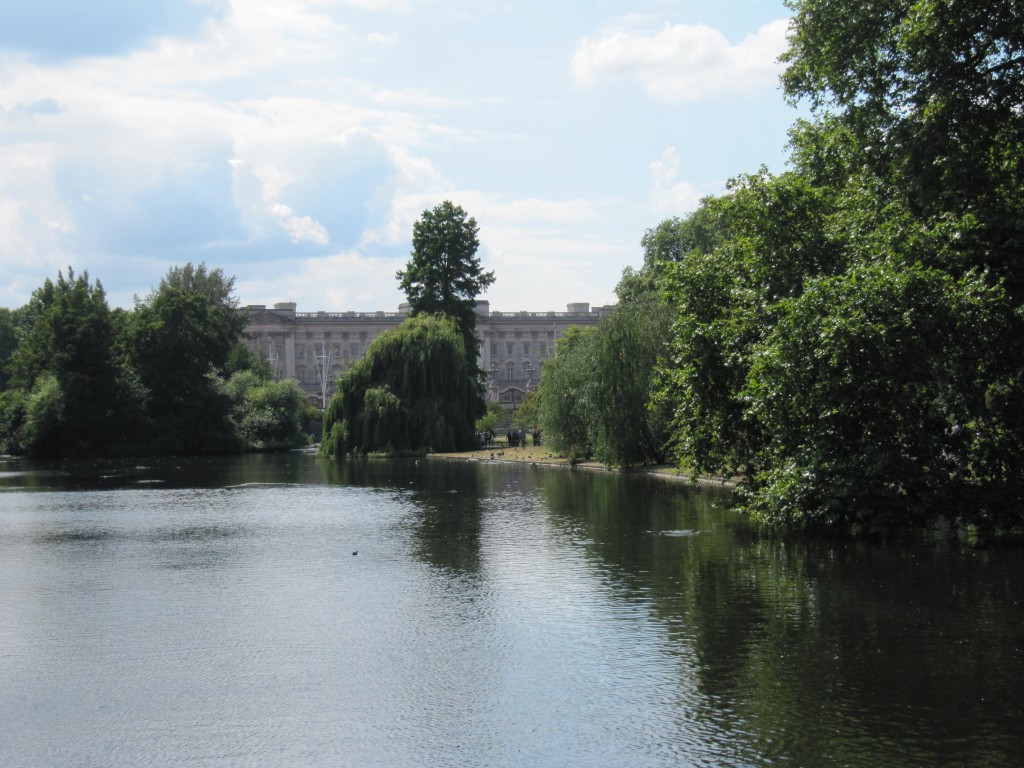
(542, 456)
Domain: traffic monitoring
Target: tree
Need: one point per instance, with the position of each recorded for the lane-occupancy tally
(267, 415)
(213, 285)
(444, 275)
(66, 366)
(567, 412)
(8, 343)
(45, 418)
(596, 396)
(847, 340)
(176, 341)
(628, 346)
(878, 412)
(492, 417)
(411, 392)
(772, 234)
(527, 415)
(933, 91)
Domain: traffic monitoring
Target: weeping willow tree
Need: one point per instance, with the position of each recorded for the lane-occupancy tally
(412, 391)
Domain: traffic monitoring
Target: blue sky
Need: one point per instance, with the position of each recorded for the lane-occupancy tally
(295, 142)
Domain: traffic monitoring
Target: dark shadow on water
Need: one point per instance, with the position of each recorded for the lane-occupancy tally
(160, 472)
(799, 652)
(820, 652)
(444, 499)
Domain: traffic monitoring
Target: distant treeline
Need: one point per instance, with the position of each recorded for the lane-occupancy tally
(171, 375)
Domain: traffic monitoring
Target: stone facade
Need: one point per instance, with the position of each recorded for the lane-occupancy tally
(315, 347)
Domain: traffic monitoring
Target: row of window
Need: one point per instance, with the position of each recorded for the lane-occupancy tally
(311, 375)
(313, 355)
(510, 348)
(354, 350)
(334, 351)
(526, 372)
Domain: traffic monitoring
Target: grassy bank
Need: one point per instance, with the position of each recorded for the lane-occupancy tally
(540, 454)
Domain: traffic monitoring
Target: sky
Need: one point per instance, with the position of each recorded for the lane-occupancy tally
(294, 143)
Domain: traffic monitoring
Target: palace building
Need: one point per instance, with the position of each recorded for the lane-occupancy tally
(315, 347)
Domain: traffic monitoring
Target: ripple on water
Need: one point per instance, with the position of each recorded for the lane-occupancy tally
(523, 619)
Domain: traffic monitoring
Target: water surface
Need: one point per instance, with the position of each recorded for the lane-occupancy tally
(280, 610)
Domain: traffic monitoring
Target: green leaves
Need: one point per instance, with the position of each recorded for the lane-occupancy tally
(933, 92)
(567, 411)
(88, 381)
(411, 391)
(65, 365)
(858, 387)
(595, 395)
(444, 275)
(268, 415)
(850, 340)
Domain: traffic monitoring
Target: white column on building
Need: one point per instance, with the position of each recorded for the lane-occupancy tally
(289, 355)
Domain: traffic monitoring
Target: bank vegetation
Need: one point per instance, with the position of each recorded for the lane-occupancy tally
(846, 336)
(169, 376)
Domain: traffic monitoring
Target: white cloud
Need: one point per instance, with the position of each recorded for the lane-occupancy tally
(299, 228)
(120, 127)
(295, 143)
(34, 222)
(684, 63)
(382, 38)
(414, 98)
(533, 245)
(546, 268)
(337, 281)
(669, 195)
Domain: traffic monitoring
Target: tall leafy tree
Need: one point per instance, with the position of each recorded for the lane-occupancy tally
(596, 396)
(66, 357)
(176, 340)
(567, 410)
(444, 276)
(933, 91)
(629, 344)
(874, 392)
(8, 342)
(411, 391)
(773, 233)
(848, 339)
(213, 285)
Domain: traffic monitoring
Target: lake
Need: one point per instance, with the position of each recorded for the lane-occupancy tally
(284, 610)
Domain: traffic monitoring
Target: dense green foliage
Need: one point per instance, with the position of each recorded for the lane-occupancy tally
(871, 391)
(84, 380)
(411, 392)
(8, 343)
(268, 415)
(527, 415)
(932, 91)
(846, 337)
(67, 395)
(848, 334)
(444, 275)
(595, 395)
(566, 399)
(628, 346)
(492, 417)
(177, 343)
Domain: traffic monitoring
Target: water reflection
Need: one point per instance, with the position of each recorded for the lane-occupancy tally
(831, 653)
(159, 613)
(168, 472)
